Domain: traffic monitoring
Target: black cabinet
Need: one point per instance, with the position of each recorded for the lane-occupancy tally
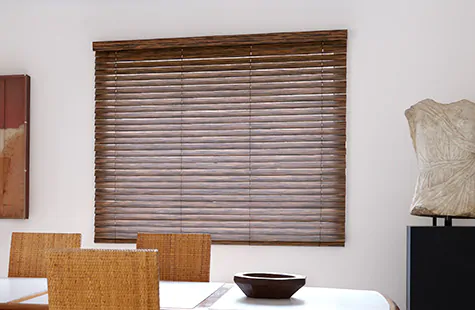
(440, 268)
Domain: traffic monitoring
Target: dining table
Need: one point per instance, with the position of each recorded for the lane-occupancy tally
(32, 293)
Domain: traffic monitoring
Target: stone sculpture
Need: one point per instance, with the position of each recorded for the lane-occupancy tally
(443, 136)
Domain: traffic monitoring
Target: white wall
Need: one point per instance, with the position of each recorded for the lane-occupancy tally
(399, 52)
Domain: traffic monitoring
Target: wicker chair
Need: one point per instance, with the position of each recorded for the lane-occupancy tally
(27, 252)
(183, 257)
(103, 279)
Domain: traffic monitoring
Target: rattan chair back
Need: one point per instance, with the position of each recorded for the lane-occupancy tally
(27, 252)
(103, 279)
(183, 257)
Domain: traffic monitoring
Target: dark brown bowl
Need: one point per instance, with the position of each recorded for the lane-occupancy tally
(269, 285)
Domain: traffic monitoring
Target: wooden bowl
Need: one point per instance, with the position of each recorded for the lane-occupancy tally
(269, 285)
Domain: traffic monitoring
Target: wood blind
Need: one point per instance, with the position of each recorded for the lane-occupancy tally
(242, 137)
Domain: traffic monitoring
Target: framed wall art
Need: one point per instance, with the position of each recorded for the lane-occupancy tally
(14, 146)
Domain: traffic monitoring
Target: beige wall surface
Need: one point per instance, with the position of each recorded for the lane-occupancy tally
(399, 53)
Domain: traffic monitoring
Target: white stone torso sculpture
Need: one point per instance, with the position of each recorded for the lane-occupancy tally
(443, 136)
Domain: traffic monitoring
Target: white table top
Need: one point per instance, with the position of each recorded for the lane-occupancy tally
(311, 298)
(187, 295)
(14, 288)
(182, 295)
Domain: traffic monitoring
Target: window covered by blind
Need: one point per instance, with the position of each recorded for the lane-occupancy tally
(242, 137)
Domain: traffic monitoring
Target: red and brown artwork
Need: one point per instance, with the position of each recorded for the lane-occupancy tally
(14, 146)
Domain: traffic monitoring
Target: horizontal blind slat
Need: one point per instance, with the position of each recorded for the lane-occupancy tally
(224, 94)
(220, 165)
(259, 228)
(116, 82)
(330, 158)
(221, 185)
(258, 134)
(102, 204)
(323, 107)
(311, 111)
(316, 57)
(235, 152)
(221, 139)
(321, 98)
(317, 85)
(191, 145)
(268, 199)
(224, 173)
(185, 120)
(256, 211)
(267, 73)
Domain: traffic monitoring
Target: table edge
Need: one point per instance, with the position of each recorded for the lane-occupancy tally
(27, 297)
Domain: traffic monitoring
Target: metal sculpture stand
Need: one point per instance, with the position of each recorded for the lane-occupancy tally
(447, 221)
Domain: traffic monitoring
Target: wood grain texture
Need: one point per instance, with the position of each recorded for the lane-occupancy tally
(183, 257)
(228, 40)
(241, 137)
(27, 252)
